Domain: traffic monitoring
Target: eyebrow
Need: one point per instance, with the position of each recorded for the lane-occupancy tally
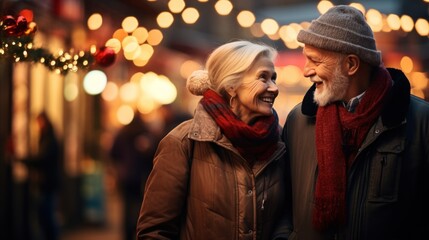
(265, 70)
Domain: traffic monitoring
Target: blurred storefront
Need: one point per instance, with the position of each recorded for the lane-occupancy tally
(167, 41)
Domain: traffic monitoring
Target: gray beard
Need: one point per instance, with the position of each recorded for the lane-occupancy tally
(334, 91)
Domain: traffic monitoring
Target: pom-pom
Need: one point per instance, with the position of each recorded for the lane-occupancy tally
(198, 82)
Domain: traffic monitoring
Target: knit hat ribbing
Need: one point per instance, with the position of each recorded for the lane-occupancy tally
(342, 29)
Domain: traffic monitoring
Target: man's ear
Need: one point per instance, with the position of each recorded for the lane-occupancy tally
(352, 63)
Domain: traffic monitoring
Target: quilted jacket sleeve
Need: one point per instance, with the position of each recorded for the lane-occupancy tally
(166, 190)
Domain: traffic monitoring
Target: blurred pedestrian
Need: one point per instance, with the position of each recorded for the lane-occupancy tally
(45, 169)
(172, 116)
(221, 174)
(132, 154)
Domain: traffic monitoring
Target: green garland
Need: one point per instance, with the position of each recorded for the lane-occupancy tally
(19, 47)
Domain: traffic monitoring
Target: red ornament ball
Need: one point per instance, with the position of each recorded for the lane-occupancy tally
(8, 25)
(105, 56)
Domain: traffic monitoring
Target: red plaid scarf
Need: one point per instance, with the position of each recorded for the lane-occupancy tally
(256, 142)
(339, 134)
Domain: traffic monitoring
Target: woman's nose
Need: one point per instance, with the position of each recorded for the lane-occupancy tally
(272, 86)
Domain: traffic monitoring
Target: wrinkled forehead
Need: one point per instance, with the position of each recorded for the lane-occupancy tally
(312, 51)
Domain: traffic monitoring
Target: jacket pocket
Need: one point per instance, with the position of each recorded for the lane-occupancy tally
(385, 173)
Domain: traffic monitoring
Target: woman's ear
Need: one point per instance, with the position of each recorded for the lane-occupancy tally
(231, 91)
(353, 63)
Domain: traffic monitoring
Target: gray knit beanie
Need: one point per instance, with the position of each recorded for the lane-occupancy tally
(343, 29)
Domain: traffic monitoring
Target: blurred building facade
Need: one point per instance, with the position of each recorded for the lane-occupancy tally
(86, 123)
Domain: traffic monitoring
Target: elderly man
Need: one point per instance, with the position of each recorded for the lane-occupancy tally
(358, 143)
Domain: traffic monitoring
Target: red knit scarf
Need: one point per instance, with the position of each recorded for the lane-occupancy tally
(256, 142)
(339, 134)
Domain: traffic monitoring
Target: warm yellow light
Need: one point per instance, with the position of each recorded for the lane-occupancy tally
(406, 64)
(132, 51)
(407, 23)
(94, 82)
(223, 7)
(386, 27)
(136, 77)
(141, 34)
(129, 92)
(95, 21)
(289, 75)
(146, 52)
(269, 26)
(375, 20)
(71, 91)
(168, 89)
(140, 62)
(110, 92)
(155, 37)
(324, 6)
(120, 34)
(165, 19)
(246, 18)
(292, 44)
(114, 44)
(188, 67)
(125, 114)
(289, 32)
(127, 40)
(394, 21)
(129, 24)
(422, 27)
(176, 6)
(152, 84)
(418, 80)
(146, 104)
(190, 15)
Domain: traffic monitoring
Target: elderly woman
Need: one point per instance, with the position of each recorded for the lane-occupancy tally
(221, 175)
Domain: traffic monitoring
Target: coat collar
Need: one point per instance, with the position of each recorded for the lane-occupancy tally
(395, 109)
(203, 127)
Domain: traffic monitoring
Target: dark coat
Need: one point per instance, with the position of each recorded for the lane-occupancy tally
(388, 184)
(201, 188)
(132, 152)
(46, 164)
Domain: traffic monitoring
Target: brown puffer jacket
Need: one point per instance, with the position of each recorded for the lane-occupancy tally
(201, 188)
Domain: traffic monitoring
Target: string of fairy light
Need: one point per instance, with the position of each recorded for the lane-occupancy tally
(138, 43)
(16, 44)
(23, 50)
